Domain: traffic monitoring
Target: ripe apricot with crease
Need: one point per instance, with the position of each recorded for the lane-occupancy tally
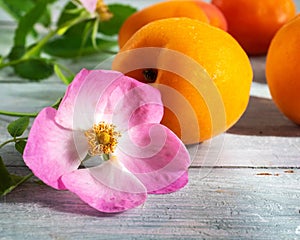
(212, 49)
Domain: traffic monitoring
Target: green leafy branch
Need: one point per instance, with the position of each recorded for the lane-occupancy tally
(77, 33)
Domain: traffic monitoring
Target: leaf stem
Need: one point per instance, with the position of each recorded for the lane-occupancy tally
(10, 63)
(18, 114)
(67, 70)
(39, 45)
(51, 34)
(12, 140)
(24, 179)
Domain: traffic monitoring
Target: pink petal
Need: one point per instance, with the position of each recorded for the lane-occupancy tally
(135, 103)
(78, 107)
(109, 96)
(175, 186)
(155, 156)
(51, 151)
(106, 188)
(89, 5)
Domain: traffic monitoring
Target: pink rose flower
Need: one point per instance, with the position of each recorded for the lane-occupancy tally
(113, 120)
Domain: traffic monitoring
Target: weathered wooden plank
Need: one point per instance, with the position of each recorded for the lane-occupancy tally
(226, 204)
(247, 151)
(262, 118)
(224, 151)
(30, 97)
(227, 149)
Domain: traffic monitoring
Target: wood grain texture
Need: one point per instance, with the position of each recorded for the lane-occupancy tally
(226, 204)
(262, 118)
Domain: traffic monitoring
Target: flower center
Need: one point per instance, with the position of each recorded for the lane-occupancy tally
(102, 139)
(103, 11)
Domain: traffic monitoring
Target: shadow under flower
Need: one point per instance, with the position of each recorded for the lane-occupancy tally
(57, 201)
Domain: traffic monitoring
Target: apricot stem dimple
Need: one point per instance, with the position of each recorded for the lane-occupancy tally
(150, 75)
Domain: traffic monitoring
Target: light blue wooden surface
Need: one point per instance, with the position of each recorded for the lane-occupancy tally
(227, 204)
(243, 184)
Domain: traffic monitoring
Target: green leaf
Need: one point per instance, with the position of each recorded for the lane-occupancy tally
(6, 180)
(77, 29)
(120, 14)
(15, 9)
(27, 22)
(34, 69)
(20, 146)
(17, 127)
(45, 19)
(70, 47)
(16, 52)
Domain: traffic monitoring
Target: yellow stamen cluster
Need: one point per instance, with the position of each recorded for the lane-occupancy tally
(103, 11)
(102, 139)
